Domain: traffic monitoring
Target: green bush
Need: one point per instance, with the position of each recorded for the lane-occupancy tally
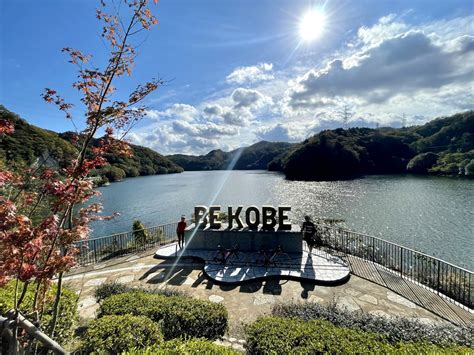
(114, 334)
(67, 316)
(179, 346)
(395, 329)
(179, 316)
(108, 289)
(140, 234)
(276, 335)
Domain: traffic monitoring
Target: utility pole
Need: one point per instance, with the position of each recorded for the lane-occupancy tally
(346, 115)
(404, 120)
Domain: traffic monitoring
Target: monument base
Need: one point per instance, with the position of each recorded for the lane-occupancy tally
(248, 240)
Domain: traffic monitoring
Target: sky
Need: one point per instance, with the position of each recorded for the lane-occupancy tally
(238, 72)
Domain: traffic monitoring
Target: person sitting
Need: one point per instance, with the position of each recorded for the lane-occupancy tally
(309, 231)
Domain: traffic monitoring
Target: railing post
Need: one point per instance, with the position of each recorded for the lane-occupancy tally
(373, 250)
(95, 249)
(401, 261)
(439, 272)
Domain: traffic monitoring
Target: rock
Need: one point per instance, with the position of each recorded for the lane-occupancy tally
(95, 282)
(348, 303)
(263, 299)
(126, 279)
(369, 299)
(216, 298)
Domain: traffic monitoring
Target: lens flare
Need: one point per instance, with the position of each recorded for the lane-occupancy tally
(312, 25)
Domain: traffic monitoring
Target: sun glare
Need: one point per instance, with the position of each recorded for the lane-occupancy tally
(312, 25)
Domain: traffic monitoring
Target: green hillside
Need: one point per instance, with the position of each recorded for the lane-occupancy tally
(30, 144)
(256, 156)
(344, 154)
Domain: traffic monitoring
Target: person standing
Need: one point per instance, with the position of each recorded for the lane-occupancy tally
(180, 231)
(309, 230)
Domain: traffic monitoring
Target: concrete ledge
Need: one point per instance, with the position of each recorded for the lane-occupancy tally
(319, 267)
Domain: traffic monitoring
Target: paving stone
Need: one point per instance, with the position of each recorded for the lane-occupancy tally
(126, 279)
(352, 292)
(89, 312)
(95, 282)
(369, 299)
(216, 298)
(87, 302)
(241, 341)
(156, 276)
(137, 267)
(348, 303)
(260, 299)
(133, 257)
(315, 299)
(232, 340)
(400, 300)
(188, 281)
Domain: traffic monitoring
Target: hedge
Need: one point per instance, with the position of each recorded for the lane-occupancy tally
(108, 289)
(67, 317)
(114, 334)
(277, 335)
(395, 329)
(179, 316)
(189, 346)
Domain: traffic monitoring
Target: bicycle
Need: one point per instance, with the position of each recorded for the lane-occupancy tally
(275, 256)
(224, 255)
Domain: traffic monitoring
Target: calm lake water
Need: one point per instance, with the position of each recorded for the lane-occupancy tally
(431, 214)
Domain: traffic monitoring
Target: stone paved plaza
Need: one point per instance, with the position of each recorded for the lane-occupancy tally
(245, 302)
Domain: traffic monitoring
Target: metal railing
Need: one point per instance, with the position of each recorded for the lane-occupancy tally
(444, 278)
(95, 250)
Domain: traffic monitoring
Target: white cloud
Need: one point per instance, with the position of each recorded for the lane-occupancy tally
(175, 111)
(285, 132)
(252, 74)
(244, 98)
(406, 63)
(203, 129)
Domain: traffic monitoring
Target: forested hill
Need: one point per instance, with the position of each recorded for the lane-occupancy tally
(444, 146)
(256, 156)
(30, 144)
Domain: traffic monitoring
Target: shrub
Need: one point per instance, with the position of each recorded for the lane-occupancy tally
(180, 316)
(108, 289)
(114, 334)
(394, 329)
(179, 346)
(140, 234)
(67, 316)
(272, 335)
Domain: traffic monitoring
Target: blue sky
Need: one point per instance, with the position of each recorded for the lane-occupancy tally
(239, 71)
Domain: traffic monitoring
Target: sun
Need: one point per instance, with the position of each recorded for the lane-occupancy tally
(312, 25)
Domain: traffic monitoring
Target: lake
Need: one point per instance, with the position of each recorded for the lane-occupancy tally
(434, 215)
